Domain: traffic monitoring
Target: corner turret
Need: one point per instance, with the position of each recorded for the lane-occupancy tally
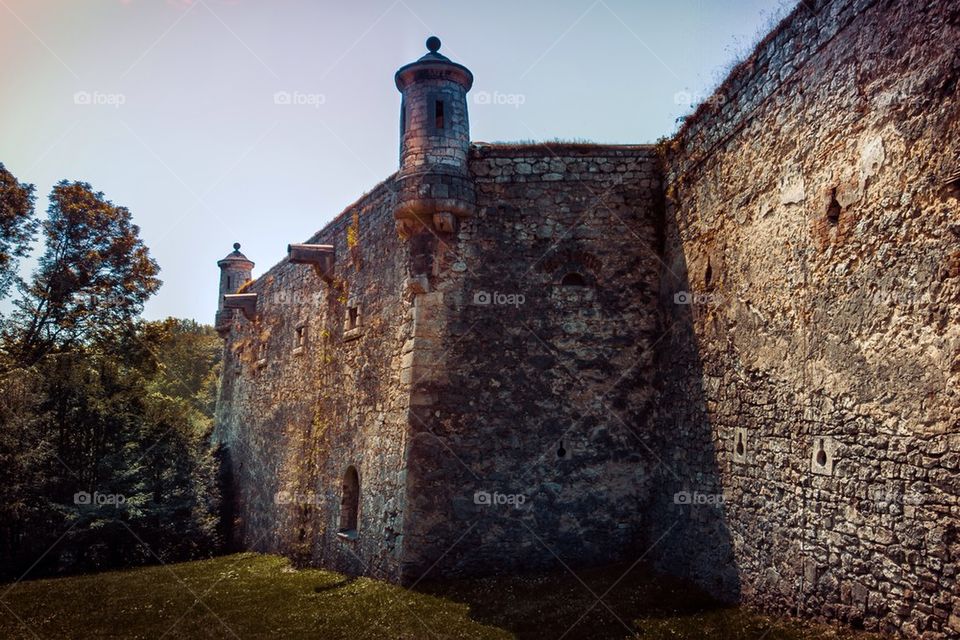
(434, 181)
(235, 271)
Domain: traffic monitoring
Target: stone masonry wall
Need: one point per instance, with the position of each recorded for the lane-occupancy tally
(749, 373)
(811, 285)
(530, 416)
(293, 418)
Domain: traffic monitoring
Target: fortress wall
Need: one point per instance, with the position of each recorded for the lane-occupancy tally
(294, 419)
(527, 365)
(812, 225)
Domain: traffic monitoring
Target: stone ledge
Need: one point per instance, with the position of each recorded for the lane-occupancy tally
(353, 334)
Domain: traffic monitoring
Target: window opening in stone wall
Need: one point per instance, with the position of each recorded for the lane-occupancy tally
(301, 337)
(821, 454)
(708, 274)
(573, 279)
(353, 316)
(833, 209)
(438, 113)
(350, 503)
(229, 282)
(561, 452)
(403, 117)
(740, 444)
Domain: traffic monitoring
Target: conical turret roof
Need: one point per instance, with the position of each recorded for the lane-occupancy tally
(234, 257)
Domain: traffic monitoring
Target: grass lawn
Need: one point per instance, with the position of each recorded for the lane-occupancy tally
(257, 596)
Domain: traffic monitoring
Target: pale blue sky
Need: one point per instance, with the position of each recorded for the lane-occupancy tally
(167, 106)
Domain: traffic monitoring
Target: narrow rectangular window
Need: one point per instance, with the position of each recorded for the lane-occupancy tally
(301, 336)
(438, 112)
(352, 318)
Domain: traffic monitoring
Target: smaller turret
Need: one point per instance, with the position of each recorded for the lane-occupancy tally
(235, 271)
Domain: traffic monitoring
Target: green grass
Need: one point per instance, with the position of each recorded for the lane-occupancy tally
(257, 596)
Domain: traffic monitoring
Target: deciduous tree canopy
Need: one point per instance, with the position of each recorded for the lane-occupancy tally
(92, 279)
(17, 226)
(105, 420)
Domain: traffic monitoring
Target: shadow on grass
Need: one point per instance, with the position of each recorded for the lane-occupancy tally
(255, 596)
(561, 604)
(618, 601)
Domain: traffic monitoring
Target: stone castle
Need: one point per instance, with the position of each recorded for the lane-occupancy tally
(735, 352)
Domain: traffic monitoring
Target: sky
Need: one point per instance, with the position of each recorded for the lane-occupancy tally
(258, 121)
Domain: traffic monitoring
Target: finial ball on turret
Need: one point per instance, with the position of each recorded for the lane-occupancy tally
(433, 44)
(236, 246)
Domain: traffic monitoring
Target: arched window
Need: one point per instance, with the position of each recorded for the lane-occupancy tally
(573, 279)
(350, 503)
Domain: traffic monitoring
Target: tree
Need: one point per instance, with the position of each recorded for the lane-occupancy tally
(188, 356)
(92, 280)
(17, 226)
(28, 472)
(95, 403)
(123, 418)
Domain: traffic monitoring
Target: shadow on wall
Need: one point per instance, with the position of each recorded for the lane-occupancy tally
(225, 526)
(688, 534)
